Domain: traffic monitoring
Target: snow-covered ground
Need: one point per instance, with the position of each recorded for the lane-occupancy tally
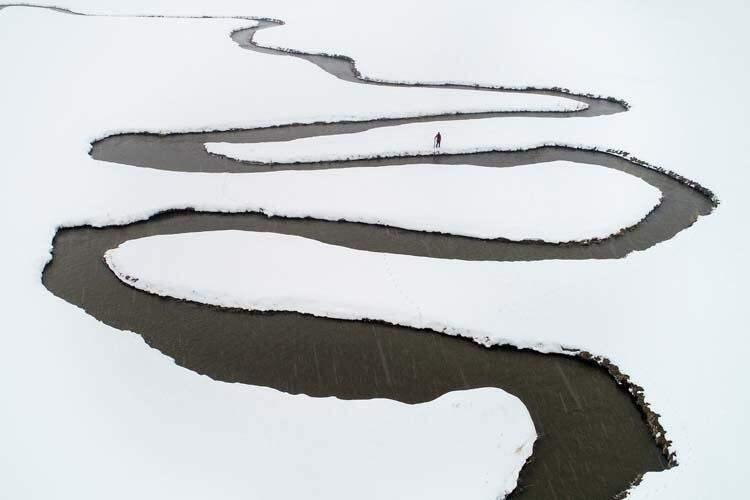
(83, 404)
(273, 272)
(414, 139)
(555, 202)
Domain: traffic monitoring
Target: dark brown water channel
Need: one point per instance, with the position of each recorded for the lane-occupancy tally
(594, 440)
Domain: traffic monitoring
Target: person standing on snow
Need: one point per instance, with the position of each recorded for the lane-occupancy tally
(438, 139)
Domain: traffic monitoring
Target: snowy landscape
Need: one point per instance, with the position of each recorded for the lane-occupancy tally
(237, 264)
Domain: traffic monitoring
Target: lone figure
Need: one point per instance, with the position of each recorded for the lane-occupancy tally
(438, 138)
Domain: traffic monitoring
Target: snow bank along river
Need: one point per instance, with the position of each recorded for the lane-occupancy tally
(594, 441)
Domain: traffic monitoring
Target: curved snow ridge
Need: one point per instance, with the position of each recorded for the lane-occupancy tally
(373, 145)
(270, 272)
(555, 202)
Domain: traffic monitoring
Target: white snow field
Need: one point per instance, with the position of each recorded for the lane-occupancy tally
(555, 202)
(273, 272)
(83, 404)
(414, 139)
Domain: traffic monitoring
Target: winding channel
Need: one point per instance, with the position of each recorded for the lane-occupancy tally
(597, 436)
